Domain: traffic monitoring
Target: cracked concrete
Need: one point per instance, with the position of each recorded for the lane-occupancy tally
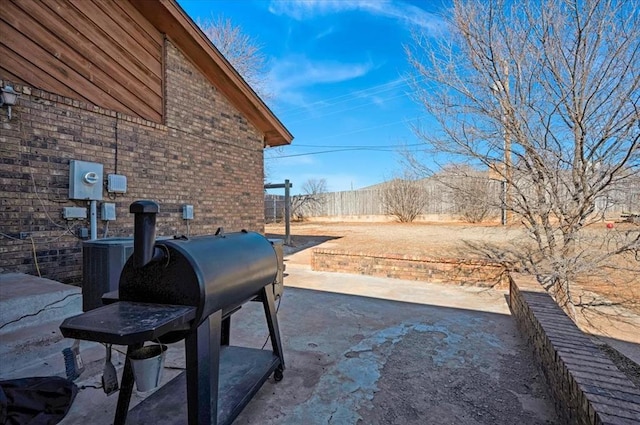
(366, 350)
(358, 352)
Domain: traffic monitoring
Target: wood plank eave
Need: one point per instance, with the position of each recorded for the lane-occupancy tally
(169, 18)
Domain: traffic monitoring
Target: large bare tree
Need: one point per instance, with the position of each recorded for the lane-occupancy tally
(546, 94)
(240, 49)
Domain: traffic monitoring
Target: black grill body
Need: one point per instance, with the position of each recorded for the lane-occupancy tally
(207, 272)
(188, 288)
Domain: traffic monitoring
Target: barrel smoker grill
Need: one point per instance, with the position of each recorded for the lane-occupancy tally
(188, 288)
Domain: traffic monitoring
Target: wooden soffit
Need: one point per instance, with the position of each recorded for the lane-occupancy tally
(168, 17)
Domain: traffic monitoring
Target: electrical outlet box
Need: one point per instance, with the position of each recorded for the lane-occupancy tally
(108, 211)
(85, 180)
(187, 212)
(116, 183)
(71, 213)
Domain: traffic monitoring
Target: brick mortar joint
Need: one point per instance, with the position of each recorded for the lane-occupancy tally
(404, 257)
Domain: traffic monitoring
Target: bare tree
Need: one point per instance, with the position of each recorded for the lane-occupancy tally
(240, 49)
(548, 90)
(310, 199)
(404, 198)
(245, 54)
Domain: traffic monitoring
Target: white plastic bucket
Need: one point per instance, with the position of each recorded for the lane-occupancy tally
(147, 363)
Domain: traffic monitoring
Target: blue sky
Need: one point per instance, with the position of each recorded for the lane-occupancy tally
(337, 71)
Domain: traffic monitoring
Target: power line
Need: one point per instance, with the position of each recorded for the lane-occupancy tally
(357, 146)
(351, 96)
(315, 117)
(331, 151)
(372, 148)
(360, 130)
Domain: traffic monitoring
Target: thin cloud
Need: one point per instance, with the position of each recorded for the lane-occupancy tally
(292, 74)
(298, 71)
(305, 9)
(397, 10)
(324, 33)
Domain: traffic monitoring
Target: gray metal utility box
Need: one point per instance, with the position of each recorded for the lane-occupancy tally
(102, 263)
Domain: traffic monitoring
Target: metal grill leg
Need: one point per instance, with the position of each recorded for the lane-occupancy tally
(124, 398)
(226, 331)
(203, 366)
(272, 322)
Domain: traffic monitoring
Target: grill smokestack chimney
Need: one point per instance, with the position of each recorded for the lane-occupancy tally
(144, 232)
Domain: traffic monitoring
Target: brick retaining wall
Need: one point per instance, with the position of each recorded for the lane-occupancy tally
(587, 387)
(411, 267)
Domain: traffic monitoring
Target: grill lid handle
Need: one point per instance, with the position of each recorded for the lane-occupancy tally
(144, 233)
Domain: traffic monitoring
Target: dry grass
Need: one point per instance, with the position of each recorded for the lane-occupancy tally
(617, 284)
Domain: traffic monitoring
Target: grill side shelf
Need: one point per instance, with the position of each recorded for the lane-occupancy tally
(127, 323)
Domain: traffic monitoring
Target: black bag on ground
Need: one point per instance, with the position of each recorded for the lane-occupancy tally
(35, 401)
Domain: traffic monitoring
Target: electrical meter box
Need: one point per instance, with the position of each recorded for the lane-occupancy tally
(85, 180)
(116, 183)
(187, 212)
(69, 213)
(108, 211)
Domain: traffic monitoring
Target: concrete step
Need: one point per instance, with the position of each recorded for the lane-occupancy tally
(27, 300)
(31, 311)
(31, 344)
(37, 351)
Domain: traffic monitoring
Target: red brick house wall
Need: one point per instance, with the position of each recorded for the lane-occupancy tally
(205, 153)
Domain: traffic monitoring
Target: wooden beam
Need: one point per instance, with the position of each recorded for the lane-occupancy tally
(101, 74)
(103, 22)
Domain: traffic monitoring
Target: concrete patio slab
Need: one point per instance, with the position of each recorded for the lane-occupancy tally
(364, 350)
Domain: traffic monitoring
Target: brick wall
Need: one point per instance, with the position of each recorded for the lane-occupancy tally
(587, 387)
(205, 154)
(410, 267)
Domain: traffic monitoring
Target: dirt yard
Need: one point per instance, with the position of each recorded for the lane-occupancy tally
(619, 286)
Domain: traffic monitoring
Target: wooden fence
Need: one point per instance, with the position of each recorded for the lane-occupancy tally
(273, 208)
(443, 201)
